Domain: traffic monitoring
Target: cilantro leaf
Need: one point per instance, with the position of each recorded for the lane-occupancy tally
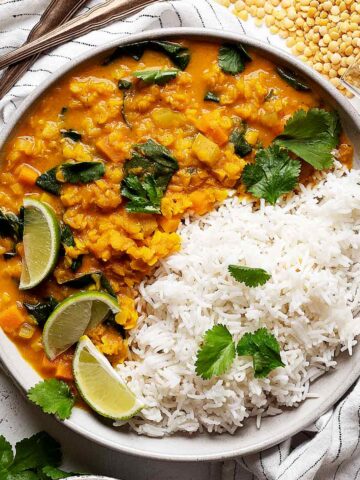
(211, 97)
(47, 181)
(82, 172)
(252, 277)
(54, 473)
(53, 396)
(232, 58)
(34, 452)
(241, 146)
(217, 353)
(26, 475)
(273, 174)
(6, 453)
(147, 175)
(41, 311)
(293, 79)
(156, 76)
(265, 350)
(312, 136)
(72, 134)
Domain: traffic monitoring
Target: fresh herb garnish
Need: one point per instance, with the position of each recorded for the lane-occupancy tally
(11, 225)
(177, 53)
(36, 458)
(273, 174)
(241, 146)
(211, 97)
(312, 136)
(147, 175)
(72, 134)
(53, 396)
(293, 79)
(124, 84)
(252, 277)
(232, 58)
(217, 353)
(263, 347)
(48, 182)
(156, 76)
(41, 311)
(82, 172)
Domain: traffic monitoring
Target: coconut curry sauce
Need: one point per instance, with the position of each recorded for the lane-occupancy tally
(93, 114)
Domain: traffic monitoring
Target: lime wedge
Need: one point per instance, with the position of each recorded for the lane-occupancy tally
(99, 384)
(41, 243)
(73, 317)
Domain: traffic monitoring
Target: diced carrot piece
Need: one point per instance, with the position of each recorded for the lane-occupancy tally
(11, 319)
(103, 146)
(210, 125)
(169, 225)
(64, 371)
(49, 366)
(27, 175)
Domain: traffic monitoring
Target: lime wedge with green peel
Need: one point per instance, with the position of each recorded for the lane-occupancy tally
(99, 384)
(41, 243)
(73, 317)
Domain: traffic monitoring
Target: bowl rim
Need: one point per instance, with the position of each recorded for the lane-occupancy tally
(207, 35)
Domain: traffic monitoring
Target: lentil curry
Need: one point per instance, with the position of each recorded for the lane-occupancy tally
(114, 232)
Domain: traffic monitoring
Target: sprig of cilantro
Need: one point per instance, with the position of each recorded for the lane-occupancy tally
(264, 349)
(252, 277)
(312, 136)
(218, 352)
(36, 458)
(232, 58)
(53, 396)
(273, 174)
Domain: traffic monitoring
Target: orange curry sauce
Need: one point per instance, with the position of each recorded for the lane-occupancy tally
(125, 246)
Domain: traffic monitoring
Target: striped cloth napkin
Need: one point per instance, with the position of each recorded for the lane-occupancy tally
(329, 449)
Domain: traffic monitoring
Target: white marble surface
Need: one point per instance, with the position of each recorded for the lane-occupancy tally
(19, 419)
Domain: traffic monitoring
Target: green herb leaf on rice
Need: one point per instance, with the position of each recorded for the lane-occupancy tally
(217, 353)
(232, 58)
(312, 136)
(156, 76)
(252, 277)
(273, 174)
(264, 348)
(53, 396)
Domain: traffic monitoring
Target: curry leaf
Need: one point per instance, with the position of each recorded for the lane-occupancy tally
(217, 353)
(293, 79)
(82, 172)
(232, 58)
(48, 182)
(312, 136)
(252, 277)
(72, 134)
(211, 97)
(157, 77)
(41, 311)
(53, 396)
(263, 347)
(273, 174)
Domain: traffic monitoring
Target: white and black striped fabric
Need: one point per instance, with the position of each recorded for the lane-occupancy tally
(330, 449)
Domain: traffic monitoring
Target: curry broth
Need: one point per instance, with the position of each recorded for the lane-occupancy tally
(127, 246)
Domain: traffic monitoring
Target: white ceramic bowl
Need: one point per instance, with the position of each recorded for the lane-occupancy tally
(248, 439)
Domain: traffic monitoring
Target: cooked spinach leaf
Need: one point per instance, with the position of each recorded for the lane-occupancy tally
(48, 182)
(293, 79)
(177, 53)
(241, 146)
(67, 237)
(97, 278)
(147, 175)
(82, 172)
(72, 134)
(232, 58)
(124, 84)
(76, 263)
(156, 76)
(11, 225)
(211, 97)
(41, 310)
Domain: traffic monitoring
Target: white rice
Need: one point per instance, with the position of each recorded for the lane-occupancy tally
(310, 245)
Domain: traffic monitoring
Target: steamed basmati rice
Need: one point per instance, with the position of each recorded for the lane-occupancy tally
(310, 245)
